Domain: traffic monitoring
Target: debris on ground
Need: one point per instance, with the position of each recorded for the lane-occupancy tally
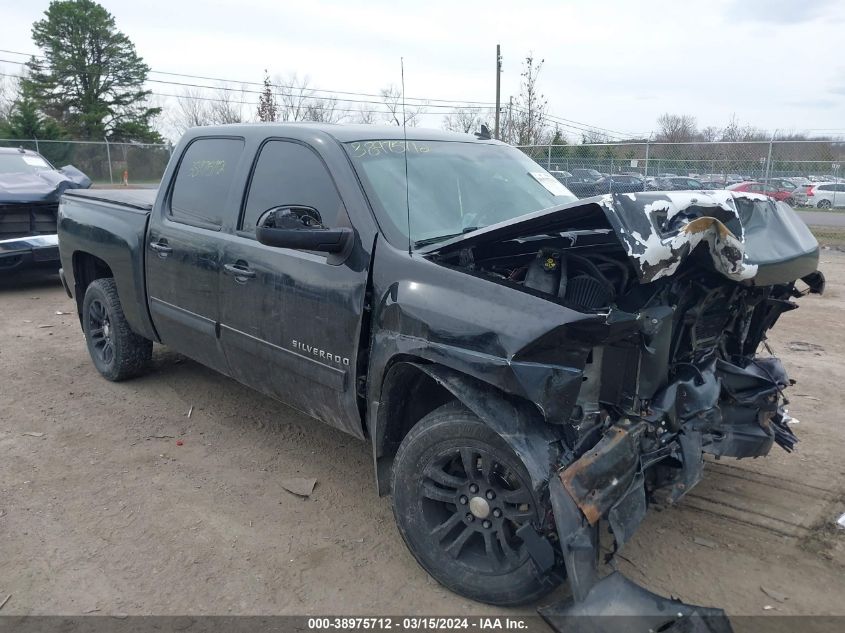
(33, 434)
(841, 521)
(768, 607)
(774, 595)
(5, 600)
(705, 542)
(59, 312)
(300, 486)
(45, 325)
(803, 346)
(190, 411)
(179, 442)
(160, 437)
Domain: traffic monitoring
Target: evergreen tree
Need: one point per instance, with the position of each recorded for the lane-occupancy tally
(90, 79)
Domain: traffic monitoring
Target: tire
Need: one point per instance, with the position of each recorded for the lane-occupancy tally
(790, 202)
(118, 353)
(824, 204)
(465, 540)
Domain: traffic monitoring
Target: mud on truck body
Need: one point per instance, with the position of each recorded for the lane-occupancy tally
(527, 366)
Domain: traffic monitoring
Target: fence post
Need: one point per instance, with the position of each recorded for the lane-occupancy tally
(35, 138)
(549, 159)
(769, 158)
(108, 158)
(646, 159)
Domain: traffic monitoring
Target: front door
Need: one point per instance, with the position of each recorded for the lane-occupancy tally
(184, 250)
(290, 320)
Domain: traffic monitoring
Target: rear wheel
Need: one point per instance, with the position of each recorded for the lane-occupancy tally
(790, 202)
(824, 204)
(459, 496)
(118, 353)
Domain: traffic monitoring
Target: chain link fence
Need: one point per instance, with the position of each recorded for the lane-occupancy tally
(104, 162)
(724, 162)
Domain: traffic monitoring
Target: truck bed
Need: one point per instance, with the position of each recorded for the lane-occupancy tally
(141, 199)
(111, 226)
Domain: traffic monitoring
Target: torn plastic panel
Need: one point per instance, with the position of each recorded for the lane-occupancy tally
(617, 605)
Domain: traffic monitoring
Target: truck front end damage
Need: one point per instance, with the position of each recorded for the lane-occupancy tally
(672, 363)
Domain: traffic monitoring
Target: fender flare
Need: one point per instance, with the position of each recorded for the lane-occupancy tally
(518, 423)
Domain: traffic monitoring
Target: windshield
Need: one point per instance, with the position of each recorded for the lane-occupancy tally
(452, 187)
(22, 163)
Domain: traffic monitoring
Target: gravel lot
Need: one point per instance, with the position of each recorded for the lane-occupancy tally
(104, 513)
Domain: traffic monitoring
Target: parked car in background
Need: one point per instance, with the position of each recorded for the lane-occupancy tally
(560, 174)
(30, 188)
(825, 195)
(619, 183)
(784, 184)
(713, 184)
(586, 173)
(674, 183)
(766, 190)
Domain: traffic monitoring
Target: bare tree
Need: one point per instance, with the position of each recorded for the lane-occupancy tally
(594, 136)
(226, 106)
(267, 108)
(530, 107)
(294, 96)
(464, 120)
(8, 96)
(735, 131)
(324, 111)
(395, 114)
(711, 133)
(191, 111)
(365, 114)
(676, 128)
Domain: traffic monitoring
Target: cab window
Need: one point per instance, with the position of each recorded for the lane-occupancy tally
(290, 174)
(204, 181)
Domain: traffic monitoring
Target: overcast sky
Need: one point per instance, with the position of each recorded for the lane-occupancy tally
(775, 64)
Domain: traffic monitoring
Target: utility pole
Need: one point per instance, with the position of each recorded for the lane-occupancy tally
(510, 125)
(498, 89)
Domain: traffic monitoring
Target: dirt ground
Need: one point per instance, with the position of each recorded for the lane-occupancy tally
(104, 513)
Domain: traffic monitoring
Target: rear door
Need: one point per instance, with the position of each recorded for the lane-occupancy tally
(184, 249)
(290, 320)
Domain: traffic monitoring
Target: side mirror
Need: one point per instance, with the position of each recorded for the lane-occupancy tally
(300, 228)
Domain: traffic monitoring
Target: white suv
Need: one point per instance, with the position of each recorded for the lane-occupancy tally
(825, 195)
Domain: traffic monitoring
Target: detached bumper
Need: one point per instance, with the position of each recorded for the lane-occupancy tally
(33, 250)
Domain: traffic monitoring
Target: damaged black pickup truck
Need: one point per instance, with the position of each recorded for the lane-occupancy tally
(527, 366)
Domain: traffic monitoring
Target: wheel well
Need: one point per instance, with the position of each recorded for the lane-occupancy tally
(408, 395)
(87, 268)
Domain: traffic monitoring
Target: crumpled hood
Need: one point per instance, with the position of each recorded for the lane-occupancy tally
(749, 236)
(42, 186)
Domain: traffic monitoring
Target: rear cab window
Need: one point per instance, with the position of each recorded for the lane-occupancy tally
(204, 181)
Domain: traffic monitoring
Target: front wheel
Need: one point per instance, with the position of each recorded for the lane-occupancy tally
(118, 353)
(459, 496)
(824, 204)
(790, 202)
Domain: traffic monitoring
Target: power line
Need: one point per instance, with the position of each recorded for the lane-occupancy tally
(427, 102)
(480, 104)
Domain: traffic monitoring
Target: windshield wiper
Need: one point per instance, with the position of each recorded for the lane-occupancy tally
(443, 238)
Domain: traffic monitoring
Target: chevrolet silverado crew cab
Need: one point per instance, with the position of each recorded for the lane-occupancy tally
(527, 366)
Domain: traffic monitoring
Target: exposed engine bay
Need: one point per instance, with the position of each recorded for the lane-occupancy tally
(681, 290)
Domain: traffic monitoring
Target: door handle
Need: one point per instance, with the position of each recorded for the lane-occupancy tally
(161, 247)
(238, 271)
